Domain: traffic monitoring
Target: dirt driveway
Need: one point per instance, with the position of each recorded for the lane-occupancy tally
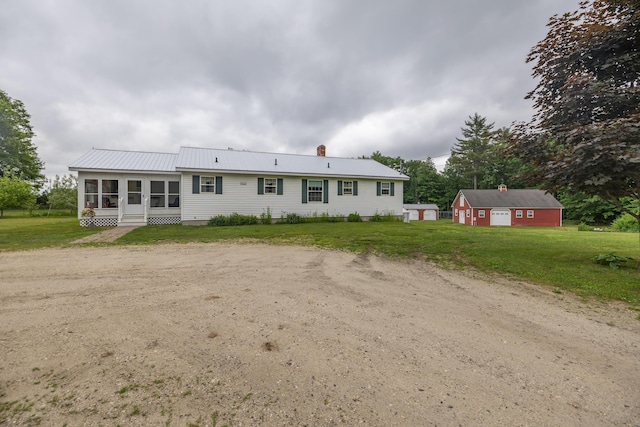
(248, 335)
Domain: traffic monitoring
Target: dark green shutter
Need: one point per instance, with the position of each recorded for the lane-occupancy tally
(280, 188)
(339, 188)
(325, 190)
(391, 191)
(355, 188)
(196, 184)
(378, 188)
(260, 185)
(304, 191)
(218, 185)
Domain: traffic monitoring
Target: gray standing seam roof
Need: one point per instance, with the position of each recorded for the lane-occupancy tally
(98, 159)
(233, 161)
(510, 199)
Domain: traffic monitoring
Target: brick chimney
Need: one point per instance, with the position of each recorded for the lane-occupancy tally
(502, 188)
(322, 150)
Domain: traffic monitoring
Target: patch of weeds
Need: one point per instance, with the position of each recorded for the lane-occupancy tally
(247, 397)
(135, 411)
(214, 419)
(270, 346)
(131, 387)
(557, 291)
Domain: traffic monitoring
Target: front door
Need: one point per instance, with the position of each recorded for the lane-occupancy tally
(134, 197)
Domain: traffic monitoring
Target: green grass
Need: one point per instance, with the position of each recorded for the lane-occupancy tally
(558, 257)
(19, 231)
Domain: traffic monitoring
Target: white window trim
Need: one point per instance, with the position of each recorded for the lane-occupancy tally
(319, 192)
(207, 187)
(518, 213)
(385, 191)
(530, 213)
(347, 188)
(481, 213)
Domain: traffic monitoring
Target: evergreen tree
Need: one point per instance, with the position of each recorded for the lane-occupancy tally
(472, 153)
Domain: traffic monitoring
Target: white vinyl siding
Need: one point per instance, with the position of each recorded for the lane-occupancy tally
(240, 196)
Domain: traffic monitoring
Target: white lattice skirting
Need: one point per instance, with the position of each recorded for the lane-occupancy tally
(164, 220)
(113, 222)
(99, 222)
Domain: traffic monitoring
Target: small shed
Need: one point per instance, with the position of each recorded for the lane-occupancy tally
(507, 208)
(419, 212)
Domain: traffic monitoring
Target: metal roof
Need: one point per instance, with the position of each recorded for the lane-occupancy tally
(420, 206)
(118, 160)
(233, 161)
(207, 159)
(510, 199)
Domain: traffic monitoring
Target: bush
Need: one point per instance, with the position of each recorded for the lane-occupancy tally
(354, 217)
(625, 222)
(385, 217)
(266, 217)
(612, 260)
(292, 218)
(586, 227)
(233, 219)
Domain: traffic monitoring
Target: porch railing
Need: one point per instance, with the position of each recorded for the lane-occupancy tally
(146, 209)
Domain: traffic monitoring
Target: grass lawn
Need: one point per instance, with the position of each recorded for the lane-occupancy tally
(559, 257)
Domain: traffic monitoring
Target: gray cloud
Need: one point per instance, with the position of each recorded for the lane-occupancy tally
(399, 77)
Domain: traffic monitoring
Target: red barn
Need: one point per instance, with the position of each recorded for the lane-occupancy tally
(507, 208)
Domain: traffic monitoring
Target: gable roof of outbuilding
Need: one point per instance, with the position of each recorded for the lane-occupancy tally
(510, 199)
(232, 161)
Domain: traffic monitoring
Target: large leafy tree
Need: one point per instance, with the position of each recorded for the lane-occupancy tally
(425, 184)
(585, 136)
(15, 193)
(18, 155)
(64, 193)
(472, 153)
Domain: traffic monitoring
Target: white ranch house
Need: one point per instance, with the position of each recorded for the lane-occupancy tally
(190, 187)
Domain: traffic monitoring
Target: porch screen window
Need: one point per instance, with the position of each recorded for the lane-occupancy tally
(109, 193)
(174, 194)
(315, 190)
(157, 194)
(91, 193)
(207, 184)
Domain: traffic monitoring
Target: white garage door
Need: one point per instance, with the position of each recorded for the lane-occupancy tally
(500, 217)
(413, 215)
(429, 215)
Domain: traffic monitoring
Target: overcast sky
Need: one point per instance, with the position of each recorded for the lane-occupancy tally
(395, 76)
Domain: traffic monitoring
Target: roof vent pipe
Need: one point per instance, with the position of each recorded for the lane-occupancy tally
(216, 160)
(276, 163)
(328, 165)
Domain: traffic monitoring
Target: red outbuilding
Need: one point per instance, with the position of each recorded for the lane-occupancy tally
(507, 208)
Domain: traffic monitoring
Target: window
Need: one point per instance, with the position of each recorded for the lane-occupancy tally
(91, 193)
(157, 194)
(314, 190)
(468, 213)
(462, 200)
(481, 213)
(270, 186)
(207, 184)
(385, 189)
(518, 214)
(530, 213)
(347, 188)
(455, 212)
(174, 194)
(109, 193)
